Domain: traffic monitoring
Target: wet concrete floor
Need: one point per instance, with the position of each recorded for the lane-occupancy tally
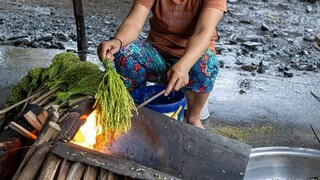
(271, 111)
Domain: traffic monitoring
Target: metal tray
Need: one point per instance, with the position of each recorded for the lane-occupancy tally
(283, 163)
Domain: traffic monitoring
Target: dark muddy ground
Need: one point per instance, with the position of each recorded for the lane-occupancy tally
(266, 48)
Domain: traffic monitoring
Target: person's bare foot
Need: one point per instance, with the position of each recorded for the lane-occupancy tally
(196, 123)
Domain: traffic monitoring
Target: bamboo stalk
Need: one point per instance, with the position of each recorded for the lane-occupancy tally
(18, 103)
(26, 103)
(45, 95)
(48, 106)
(21, 130)
(33, 120)
(150, 99)
(44, 101)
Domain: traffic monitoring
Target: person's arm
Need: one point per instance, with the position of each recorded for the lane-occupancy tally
(200, 40)
(127, 32)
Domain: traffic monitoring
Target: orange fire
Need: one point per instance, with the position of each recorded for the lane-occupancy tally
(86, 136)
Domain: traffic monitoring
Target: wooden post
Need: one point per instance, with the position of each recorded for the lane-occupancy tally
(81, 32)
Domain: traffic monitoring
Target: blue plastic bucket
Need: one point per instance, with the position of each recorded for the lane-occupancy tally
(167, 105)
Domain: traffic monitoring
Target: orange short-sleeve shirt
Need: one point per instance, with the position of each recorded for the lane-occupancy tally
(173, 22)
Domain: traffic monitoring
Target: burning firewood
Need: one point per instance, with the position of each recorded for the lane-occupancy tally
(67, 80)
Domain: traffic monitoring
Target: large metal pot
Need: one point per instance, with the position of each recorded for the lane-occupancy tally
(283, 163)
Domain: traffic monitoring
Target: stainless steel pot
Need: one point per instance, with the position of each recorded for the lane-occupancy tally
(278, 163)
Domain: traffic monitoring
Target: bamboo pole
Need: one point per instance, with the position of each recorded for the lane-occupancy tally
(44, 96)
(150, 99)
(18, 103)
(81, 31)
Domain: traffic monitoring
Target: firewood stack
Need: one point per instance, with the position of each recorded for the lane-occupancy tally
(53, 156)
(318, 43)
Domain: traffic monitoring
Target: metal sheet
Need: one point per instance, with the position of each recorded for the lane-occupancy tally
(180, 149)
(283, 163)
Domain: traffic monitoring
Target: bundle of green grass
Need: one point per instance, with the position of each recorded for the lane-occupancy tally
(72, 79)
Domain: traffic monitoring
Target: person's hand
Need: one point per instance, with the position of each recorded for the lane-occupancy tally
(107, 49)
(178, 77)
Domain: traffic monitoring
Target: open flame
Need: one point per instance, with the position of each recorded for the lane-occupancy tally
(86, 136)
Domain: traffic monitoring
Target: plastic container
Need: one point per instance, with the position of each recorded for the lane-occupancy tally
(204, 114)
(165, 105)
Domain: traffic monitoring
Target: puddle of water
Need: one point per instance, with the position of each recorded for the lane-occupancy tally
(16, 62)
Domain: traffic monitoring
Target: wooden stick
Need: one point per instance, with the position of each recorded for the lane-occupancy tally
(64, 169)
(42, 117)
(45, 95)
(26, 103)
(33, 120)
(90, 173)
(50, 132)
(55, 108)
(44, 101)
(50, 167)
(315, 134)
(150, 99)
(175, 114)
(48, 106)
(21, 130)
(315, 96)
(18, 103)
(76, 171)
(34, 164)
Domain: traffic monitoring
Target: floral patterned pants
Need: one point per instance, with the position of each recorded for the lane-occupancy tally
(140, 62)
